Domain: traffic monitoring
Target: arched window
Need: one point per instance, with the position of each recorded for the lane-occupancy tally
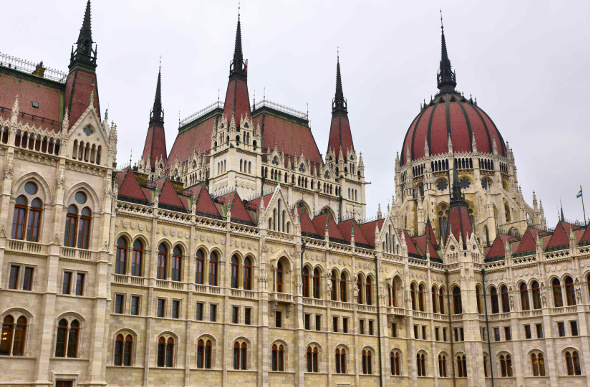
(213, 262)
(505, 300)
(458, 308)
(569, 291)
(279, 285)
(394, 359)
(441, 299)
(66, 343)
(71, 226)
(343, 297)
(278, 357)
(421, 297)
(442, 366)
(536, 295)
(204, 354)
(34, 220)
(334, 283)
(478, 299)
(234, 271)
(176, 270)
(367, 361)
(137, 259)
(123, 349)
(240, 355)
(247, 274)
(281, 358)
(494, 299)
(162, 261)
(413, 296)
(524, 296)
(305, 282)
(200, 266)
(461, 366)
(13, 336)
(421, 364)
(19, 217)
(359, 284)
(369, 294)
(572, 362)
(538, 364)
(84, 228)
(312, 358)
(121, 259)
(165, 352)
(434, 296)
(503, 371)
(557, 298)
(316, 283)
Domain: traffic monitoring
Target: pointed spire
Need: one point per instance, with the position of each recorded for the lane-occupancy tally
(456, 194)
(84, 54)
(446, 76)
(561, 208)
(157, 113)
(339, 103)
(238, 65)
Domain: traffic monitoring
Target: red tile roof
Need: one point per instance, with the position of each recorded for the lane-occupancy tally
(289, 136)
(320, 225)
(460, 223)
(529, 240)
(420, 242)
(346, 231)
(340, 135)
(79, 86)
(130, 188)
(155, 145)
(412, 249)
(196, 138)
(561, 235)
(463, 120)
(238, 210)
(306, 223)
(586, 235)
(169, 196)
(369, 230)
(236, 99)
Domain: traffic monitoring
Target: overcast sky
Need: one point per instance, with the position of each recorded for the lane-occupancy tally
(527, 62)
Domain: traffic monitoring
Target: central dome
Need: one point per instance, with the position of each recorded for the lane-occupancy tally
(450, 120)
(450, 115)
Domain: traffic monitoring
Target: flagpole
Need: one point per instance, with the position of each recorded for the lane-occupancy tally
(583, 209)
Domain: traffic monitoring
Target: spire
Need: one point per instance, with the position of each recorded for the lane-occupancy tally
(157, 113)
(238, 65)
(84, 54)
(561, 207)
(456, 194)
(338, 103)
(446, 76)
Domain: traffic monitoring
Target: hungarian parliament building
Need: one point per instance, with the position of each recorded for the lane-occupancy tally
(243, 256)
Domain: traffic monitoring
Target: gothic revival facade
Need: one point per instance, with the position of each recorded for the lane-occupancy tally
(243, 256)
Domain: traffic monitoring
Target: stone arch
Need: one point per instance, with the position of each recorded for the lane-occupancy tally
(37, 178)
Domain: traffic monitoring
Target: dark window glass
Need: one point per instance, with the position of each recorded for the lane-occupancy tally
(80, 284)
(28, 279)
(161, 307)
(66, 286)
(213, 312)
(119, 303)
(199, 316)
(247, 316)
(135, 305)
(175, 309)
(13, 280)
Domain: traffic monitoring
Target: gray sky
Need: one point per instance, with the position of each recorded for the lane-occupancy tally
(527, 62)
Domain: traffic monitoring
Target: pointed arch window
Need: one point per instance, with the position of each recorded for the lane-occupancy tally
(369, 294)
(71, 226)
(477, 299)
(557, 297)
(204, 354)
(176, 269)
(457, 306)
(536, 295)
(247, 273)
(162, 261)
(494, 299)
(235, 264)
(441, 300)
(334, 283)
(434, 296)
(200, 267)
(505, 299)
(524, 296)
(442, 366)
(316, 283)
(312, 358)
(421, 297)
(538, 364)
(343, 294)
(213, 265)
(569, 291)
(367, 362)
(572, 362)
(359, 284)
(67, 339)
(278, 357)
(121, 258)
(305, 282)
(413, 296)
(19, 218)
(84, 228)
(165, 352)
(279, 279)
(13, 336)
(137, 259)
(461, 366)
(421, 364)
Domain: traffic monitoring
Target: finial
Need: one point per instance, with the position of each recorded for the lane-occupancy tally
(160, 62)
(238, 10)
(217, 95)
(338, 53)
(442, 27)
(131, 157)
(264, 94)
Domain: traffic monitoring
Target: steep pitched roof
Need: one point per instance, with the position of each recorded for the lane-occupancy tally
(369, 230)
(586, 236)
(420, 242)
(529, 240)
(169, 197)
(320, 225)
(238, 210)
(194, 138)
(346, 231)
(560, 236)
(412, 249)
(306, 223)
(498, 249)
(129, 187)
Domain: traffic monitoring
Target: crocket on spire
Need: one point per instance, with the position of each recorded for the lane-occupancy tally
(446, 76)
(340, 134)
(155, 141)
(237, 100)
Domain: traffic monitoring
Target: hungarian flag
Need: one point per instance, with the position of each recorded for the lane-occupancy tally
(579, 195)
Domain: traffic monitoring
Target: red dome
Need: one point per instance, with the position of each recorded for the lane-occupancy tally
(450, 113)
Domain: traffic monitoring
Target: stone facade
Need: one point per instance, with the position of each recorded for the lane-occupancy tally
(139, 276)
